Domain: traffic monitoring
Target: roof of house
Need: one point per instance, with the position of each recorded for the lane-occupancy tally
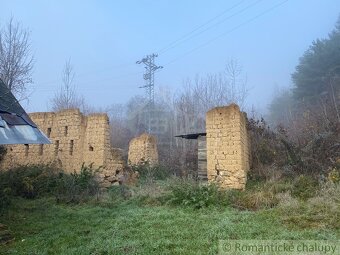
(16, 127)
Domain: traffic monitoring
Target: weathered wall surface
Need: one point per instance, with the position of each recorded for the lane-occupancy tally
(76, 139)
(143, 149)
(227, 147)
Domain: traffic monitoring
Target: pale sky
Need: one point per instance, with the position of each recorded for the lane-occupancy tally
(104, 39)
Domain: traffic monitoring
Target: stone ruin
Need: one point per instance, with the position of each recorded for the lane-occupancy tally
(76, 139)
(143, 149)
(227, 147)
(223, 150)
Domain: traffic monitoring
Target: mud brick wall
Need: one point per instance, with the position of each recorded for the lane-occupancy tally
(143, 149)
(227, 147)
(76, 139)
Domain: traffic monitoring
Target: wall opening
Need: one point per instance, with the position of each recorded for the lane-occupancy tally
(65, 130)
(41, 149)
(56, 147)
(49, 132)
(27, 147)
(71, 147)
(90, 148)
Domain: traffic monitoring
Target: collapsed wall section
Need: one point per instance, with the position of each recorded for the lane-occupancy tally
(227, 147)
(143, 149)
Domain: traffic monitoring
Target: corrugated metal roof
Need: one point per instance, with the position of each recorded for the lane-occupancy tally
(191, 136)
(16, 127)
(21, 134)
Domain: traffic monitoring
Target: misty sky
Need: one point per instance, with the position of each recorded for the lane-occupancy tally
(104, 39)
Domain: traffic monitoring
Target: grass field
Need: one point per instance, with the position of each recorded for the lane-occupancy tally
(41, 226)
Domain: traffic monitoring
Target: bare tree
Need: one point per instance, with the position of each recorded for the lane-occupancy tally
(67, 97)
(16, 58)
(204, 93)
(237, 91)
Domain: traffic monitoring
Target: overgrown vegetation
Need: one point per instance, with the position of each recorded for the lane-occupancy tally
(3, 151)
(77, 187)
(148, 172)
(308, 115)
(40, 180)
(171, 217)
(192, 194)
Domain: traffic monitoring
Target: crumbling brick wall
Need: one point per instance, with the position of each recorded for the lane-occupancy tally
(227, 147)
(143, 149)
(76, 139)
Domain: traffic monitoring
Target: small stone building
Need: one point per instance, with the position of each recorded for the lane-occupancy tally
(143, 149)
(76, 139)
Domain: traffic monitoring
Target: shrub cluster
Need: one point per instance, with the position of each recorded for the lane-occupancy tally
(29, 181)
(41, 180)
(77, 187)
(258, 194)
(195, 195)
(150, 173)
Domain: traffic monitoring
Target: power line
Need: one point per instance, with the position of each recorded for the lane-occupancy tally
(210, 27)
(229, 31)
(198, 27)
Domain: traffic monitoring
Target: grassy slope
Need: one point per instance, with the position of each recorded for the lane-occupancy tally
(42, 227)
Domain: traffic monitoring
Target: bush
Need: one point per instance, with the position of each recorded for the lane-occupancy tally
(191, 194)
(5, 200)
(150, 173)
(320, 211)
(304, 187)
(252, 200)
(77, 187)
(41, 180)
(29, 181)
(119, 193)
(334, 175)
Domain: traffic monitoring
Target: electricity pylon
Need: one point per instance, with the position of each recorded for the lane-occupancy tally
(149, 77)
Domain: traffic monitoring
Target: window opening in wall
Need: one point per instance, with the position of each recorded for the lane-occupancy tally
(56, 147)
(27, 147)
(71, 147)
(49, 132)
(90, 148)
(65, 130)
(41, 149)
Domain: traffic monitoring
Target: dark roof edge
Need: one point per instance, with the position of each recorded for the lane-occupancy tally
(191, 136)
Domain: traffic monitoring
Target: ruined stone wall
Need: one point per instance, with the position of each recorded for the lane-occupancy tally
(143, 149)
(227, 147)
(76, 139)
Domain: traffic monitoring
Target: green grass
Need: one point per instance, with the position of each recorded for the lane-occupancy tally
(41, 226)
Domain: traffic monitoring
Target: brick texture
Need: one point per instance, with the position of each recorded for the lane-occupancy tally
(143, 149)
(227, 147)
(76, 139)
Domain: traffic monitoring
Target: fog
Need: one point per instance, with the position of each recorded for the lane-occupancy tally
(103, 41)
